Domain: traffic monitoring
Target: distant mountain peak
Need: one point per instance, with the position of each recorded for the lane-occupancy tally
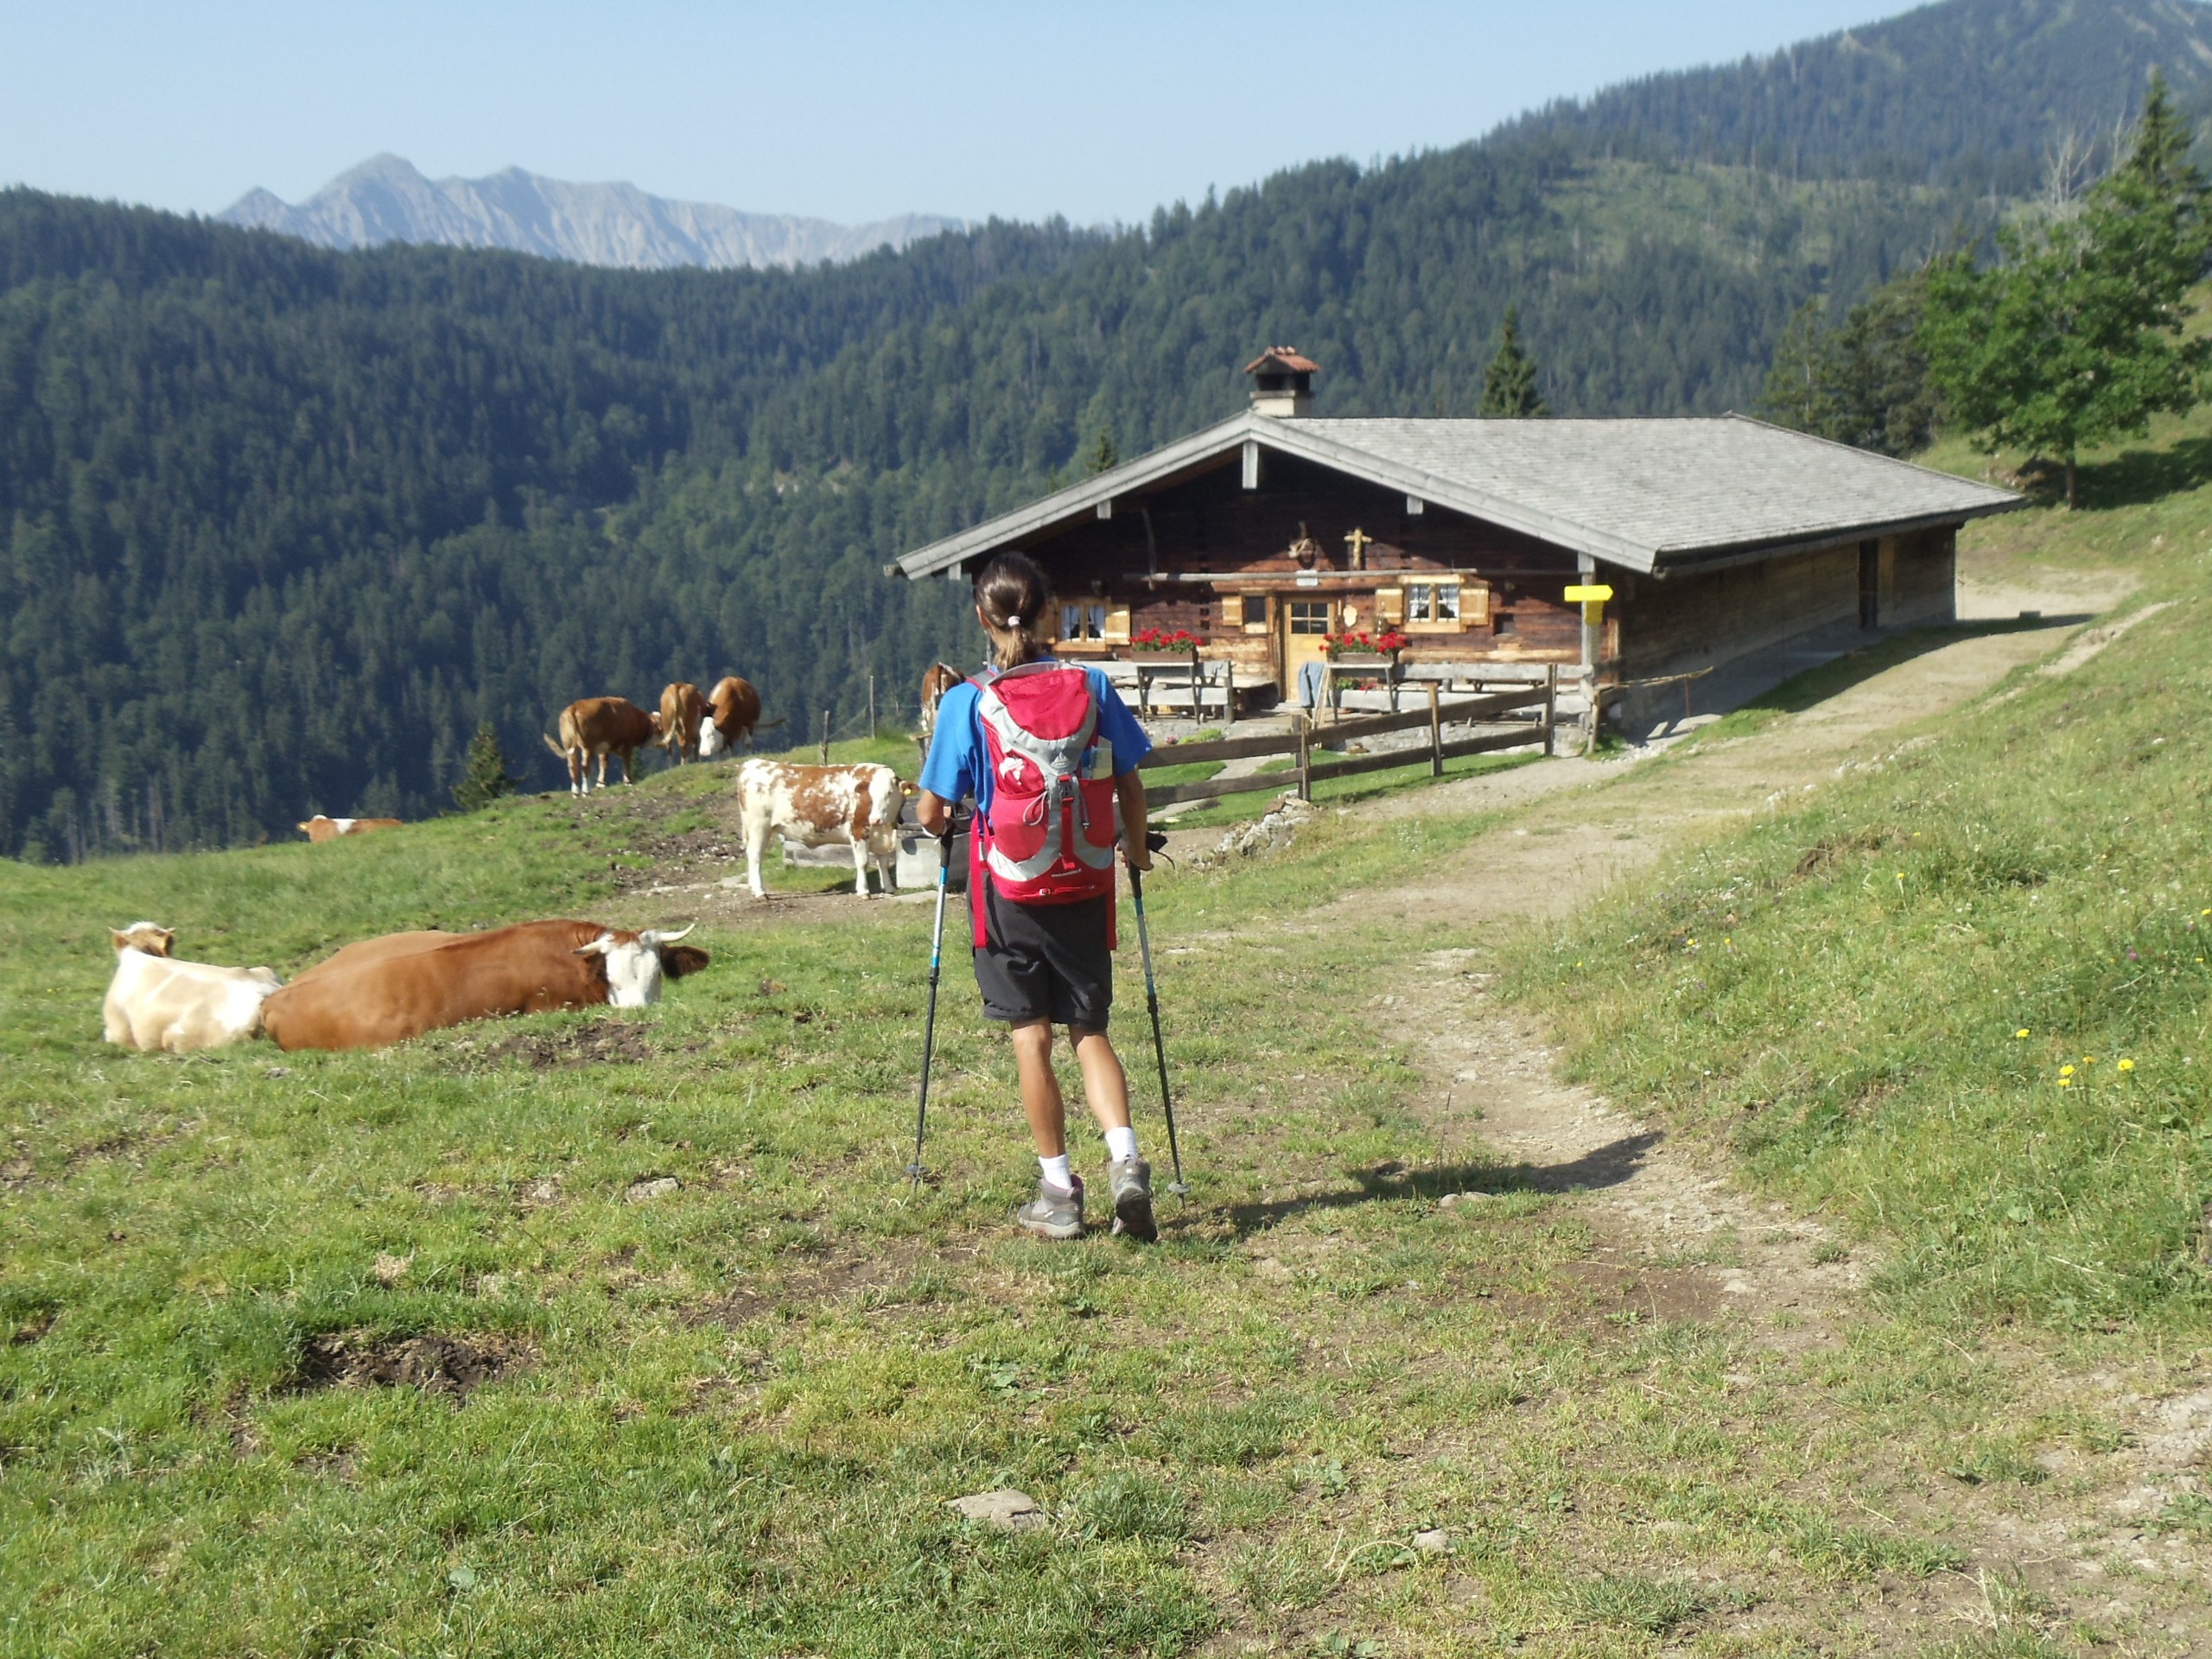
(387, 199)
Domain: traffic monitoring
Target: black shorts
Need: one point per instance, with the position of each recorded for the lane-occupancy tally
(1045, 961)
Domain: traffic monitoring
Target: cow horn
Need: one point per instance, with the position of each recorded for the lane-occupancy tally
(653, 938)
(597, 947)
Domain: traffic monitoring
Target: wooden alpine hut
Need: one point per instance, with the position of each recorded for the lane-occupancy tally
(1275, 535)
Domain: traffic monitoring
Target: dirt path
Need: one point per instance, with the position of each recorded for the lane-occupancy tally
(1665, 1209)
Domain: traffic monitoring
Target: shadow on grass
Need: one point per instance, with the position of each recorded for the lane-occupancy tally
(2137, 476)
(1607, 1166)
(1816, 685)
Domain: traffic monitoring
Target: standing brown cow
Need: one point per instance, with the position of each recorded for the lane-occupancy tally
(603, 726)
(683, 712)
(734, 709)
(941, 678)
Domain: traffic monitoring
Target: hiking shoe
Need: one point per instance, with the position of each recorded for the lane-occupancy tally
(1130, 1180)
(1052, 1213)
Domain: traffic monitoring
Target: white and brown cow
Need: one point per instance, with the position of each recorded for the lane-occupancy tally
(602, 726)
(156, 1002)
(389, 989)
(854, 806)
(320, 828)
(940, 679)
(732, 710)
(683, 717)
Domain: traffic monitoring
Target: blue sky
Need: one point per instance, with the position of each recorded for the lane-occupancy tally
(849, 111)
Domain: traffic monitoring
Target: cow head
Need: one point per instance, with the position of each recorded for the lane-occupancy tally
(635, 963)
(711, 740)
(144, 936)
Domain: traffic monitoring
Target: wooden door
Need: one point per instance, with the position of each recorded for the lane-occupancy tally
(1303, 621)
(1870, 584)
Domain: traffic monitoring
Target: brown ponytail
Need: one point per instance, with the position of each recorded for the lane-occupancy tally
(1014, 596)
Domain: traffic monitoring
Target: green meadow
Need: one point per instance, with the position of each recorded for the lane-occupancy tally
(617, 1333)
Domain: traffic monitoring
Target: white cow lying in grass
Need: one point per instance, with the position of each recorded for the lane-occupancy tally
(154, 1003)
(854, 806)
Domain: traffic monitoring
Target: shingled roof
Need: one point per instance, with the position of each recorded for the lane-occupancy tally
(1646, 495)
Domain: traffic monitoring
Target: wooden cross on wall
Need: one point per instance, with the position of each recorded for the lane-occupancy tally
(1358, 541)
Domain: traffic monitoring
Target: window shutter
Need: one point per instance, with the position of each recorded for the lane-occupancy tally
(1232, 611)
(1389, 604)
(1117, 625)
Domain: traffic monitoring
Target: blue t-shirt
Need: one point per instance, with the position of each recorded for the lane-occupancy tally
(959, 765)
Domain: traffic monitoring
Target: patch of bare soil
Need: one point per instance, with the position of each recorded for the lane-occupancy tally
(1672, 1227)
(602, 1042)
(435, 1362)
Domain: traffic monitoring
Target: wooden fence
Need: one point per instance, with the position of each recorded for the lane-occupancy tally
(1312, 764)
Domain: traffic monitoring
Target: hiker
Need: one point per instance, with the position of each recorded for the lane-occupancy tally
(1046, 749)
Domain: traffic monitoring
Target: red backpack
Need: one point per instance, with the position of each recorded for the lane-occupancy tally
(1049, 836)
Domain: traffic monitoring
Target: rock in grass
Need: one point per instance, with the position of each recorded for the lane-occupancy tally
(1434, 1541)
(656, 1186)
(1450, 1200)
(1009, 1509)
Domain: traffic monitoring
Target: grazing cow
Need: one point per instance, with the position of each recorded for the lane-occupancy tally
(823, 806)
(732, 710)
(603, 726)
(682, 718)
(156, 1002)
(940, 679)
(318, 828)
(387, 991)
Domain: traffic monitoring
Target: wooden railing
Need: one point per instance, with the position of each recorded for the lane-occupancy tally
(1313, 764)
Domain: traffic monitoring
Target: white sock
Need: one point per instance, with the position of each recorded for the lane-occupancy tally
(1056, 1173)
(1120, 1143)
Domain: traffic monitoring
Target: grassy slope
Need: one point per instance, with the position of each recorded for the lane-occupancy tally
(1875, 997)
(744, 1403)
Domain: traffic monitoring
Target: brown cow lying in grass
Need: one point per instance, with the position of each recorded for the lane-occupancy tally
(320, 828)
(387, 991)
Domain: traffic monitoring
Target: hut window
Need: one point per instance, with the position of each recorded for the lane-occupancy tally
(1433, 601)
(1503, 622)
(1082, 621)
(1309, 616)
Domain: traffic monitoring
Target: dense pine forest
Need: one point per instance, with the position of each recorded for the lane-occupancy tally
(278, 526)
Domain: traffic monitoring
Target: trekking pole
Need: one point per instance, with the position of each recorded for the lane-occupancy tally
(1155, 842)
(929, 1025)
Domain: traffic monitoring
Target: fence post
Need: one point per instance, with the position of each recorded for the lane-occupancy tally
(1435, 736)
(825, 737)
(1305, 757)
(1229, 695)
(1597, 716)
(871, 708)
(1551, 704)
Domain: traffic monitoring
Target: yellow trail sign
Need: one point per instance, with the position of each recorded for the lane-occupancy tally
(1595, 593)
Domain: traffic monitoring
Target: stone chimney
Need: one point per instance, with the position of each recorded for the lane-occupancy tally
(1282, 382)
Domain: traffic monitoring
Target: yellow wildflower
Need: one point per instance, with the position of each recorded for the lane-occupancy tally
(2088, 1059)
(2065, 1070)
(2066, 1082)
(2125, 1066)
(2022, 1031)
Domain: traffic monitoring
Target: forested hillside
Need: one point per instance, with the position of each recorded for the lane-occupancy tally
(1971, 92)
(278, 526)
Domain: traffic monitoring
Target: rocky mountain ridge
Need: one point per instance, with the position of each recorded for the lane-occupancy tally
(387, 198)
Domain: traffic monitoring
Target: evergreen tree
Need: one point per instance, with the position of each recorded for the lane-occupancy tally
(486, 777)
(1509, 384)
(1104, 455)
(2076, 338)
(1865, 383)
